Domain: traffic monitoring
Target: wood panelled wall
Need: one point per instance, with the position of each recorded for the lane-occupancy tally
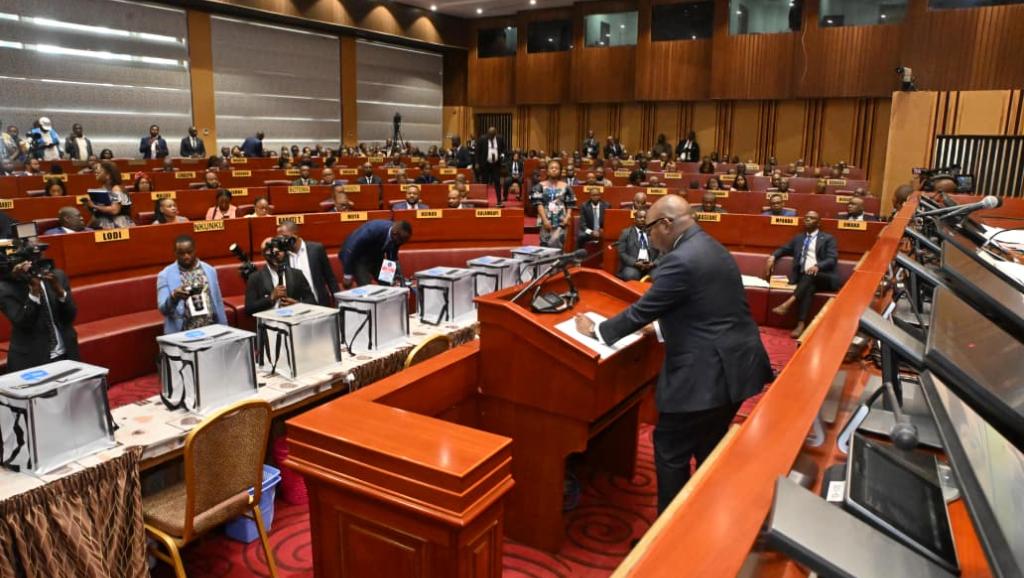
(967, 49)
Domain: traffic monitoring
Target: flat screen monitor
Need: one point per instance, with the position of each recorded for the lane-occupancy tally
(984, 363)
(994, 295)
(989, 471)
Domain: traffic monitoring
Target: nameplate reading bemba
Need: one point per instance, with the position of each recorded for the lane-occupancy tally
(111, 235)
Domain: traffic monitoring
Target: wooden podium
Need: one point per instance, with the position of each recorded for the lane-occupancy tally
(554, 396)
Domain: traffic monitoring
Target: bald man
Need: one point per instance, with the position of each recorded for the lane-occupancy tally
(69, 220)
(714, 358)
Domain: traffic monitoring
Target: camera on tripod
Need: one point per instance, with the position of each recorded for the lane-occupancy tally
(25, 248)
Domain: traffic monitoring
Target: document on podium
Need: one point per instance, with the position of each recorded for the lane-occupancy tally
(568, 327)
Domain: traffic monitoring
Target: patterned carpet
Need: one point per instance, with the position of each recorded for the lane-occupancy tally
(611, 513)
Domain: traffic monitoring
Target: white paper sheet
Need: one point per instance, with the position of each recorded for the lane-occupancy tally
(568, 327)
(751, 281)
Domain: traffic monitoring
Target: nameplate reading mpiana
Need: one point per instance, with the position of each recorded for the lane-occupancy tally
(55, 177)
(298, 189)
(593, 189)
(770, 194)
(157, 195)
(621, 173)
(297, 219)
(428, 214)
(111, 235)
(709, 217)
(721, 194)
(349, 216)
(239, 191)
(6, 204)
(185, 175)
(291, 172)
(673, 175)
(853, 225)
(348, 172)
(204, 226)
(657, 191)
(448, 171)
(238, 160)
(836, 182)
(488, 213)
(350, 188)
(241, 173)
(843, 199)
(787, 221)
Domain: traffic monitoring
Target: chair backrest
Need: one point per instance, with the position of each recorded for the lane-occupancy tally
(277, 183)
(224, 458)
(429, 347)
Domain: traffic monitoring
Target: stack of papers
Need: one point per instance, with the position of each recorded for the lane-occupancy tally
(751, 281)
(568, 327)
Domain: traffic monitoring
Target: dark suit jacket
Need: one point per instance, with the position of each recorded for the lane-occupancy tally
(614, 150)
(186, 149)
(825, 250)
(425, 180)
(587, 217)
(324, 281)
(370, 242)
(590, 148)
(517, 165)
(694, 152)
(261, 284)
(462, 157)
(482, 148)
(71, 148)
(867, 216)
(404, 206)
(374, 180)
(252, 147)
(161, 148)
(629, 247)
(713, 351)
(29, 335)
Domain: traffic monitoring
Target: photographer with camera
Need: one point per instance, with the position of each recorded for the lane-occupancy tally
(187, 291)
(277, 284)
(36, 298)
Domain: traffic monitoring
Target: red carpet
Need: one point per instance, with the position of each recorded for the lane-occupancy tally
(611, 513)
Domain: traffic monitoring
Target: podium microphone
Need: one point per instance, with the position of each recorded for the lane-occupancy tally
(988, 202)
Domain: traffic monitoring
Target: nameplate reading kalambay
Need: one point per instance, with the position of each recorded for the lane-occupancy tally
(111, 235)
(787, 221)
(157, 195)
(298, 189)
(239, 191)
(488, 213)
(349, 216)
(241, 173)
(297, 219)
(204, 226)
(185, 175)
(6, 204)
(853, 225)
(709, 217)
(428, 214)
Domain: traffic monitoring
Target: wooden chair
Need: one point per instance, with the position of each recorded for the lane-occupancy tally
(429, 347)
(223, 459)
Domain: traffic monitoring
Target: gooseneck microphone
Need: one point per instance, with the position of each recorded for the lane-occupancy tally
(988, 202)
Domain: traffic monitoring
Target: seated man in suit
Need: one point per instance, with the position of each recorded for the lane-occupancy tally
(368, 178)
(456, 201)
(636, 255)
(640, 202)
(305, 179)
(340, 199)
(310, 258)
(855, 211)
(426, 175)
(709, 203)
(69, 220)
(187, 291)
(327, 178)
(276, 284)
(592, 216)
(400, 178)
(777, 207)
(372, 246)
(42, 313)
(411, 202)
(815, 256)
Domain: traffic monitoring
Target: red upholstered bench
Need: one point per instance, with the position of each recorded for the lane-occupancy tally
(777, 296)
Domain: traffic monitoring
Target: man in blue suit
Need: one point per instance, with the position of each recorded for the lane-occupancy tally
(187, 291)
(777, 207)
(815, 256)
(153, 146)
(69, 220)
(252, 146)
(365, 250)
(411, 202)
(714, 358)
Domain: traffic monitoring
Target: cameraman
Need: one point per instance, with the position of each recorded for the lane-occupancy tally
(276, 284)
(41, 311)
(187, 292)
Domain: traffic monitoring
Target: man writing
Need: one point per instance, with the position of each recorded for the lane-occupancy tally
(815, 256)
(187, 291)
(371, 251)
(310, 258)
(714, 358)
(276, 284)
(636, 255)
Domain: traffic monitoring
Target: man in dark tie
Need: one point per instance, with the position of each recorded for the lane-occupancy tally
(154, 146)
(636, 255)
(590, 147)
(276, 284)
(714, 358)
(815, 256)
(368, 178)
(490, 154)
(192, 147)
(855, 211)
(310, 258)
(592, 215)
(688, 150)
(514, 170)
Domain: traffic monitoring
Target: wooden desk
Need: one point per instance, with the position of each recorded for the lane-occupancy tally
(489, 227)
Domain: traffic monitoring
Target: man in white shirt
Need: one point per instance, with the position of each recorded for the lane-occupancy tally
(192, 146)
(310, 258)
(276, 284)
(490, 155)
(77, 146)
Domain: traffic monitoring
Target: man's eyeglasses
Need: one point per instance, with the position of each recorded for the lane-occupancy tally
(646, 227)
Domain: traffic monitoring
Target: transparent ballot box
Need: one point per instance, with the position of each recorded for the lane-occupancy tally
(373, 317)
(297, 339)
(54, 414)
(494, 273)
(445, 293)
(530, 254)
(207, 368)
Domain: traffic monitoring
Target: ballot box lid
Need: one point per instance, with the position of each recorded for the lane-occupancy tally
(447, 273)
(491, 262)
(43, 379)
(532, 252)
(203, 337)
(296, 314)
(372, 294)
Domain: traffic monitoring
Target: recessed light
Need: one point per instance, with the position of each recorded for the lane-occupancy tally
(433, 7)
(479, 10)
(551, 39)
(622, 25)
(883, 16)
(693, 37)
(739, 13)
(533, 2)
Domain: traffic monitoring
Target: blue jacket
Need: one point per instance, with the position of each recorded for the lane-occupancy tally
(786, 212)
(371, 240)
(252, 147)
(38, 147)
(174, 313)
(161, 148)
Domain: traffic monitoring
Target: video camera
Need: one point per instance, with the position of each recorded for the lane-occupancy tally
(24, 247)
(247, 268)
(927, 177)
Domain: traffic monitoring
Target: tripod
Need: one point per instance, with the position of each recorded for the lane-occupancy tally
(397, 141)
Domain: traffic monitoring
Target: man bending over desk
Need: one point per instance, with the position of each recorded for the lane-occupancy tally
(371, 252)
(815, 256)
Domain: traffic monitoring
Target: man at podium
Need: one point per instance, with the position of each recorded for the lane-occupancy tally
(714, 358)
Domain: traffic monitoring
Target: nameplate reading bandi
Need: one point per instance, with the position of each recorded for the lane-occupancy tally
(157, 195)
(241, 173)
(297, 219)
(428, 214)
(6, 204)
(185, 175)
(239, 192)
(709, 217)
(787, 221)
(488, 213)
(238, 160)
(657, 191)
(111, 235)
(297, 189)
(348, 216)
(204, 226)
(853, 225)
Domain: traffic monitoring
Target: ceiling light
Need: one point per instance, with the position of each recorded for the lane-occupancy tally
(551, 39)
(739, 13)
(479, 10)
(693, 37)
(622, 25)
(883, 16)
(433, 7)
(828, 21)
(533, 2)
